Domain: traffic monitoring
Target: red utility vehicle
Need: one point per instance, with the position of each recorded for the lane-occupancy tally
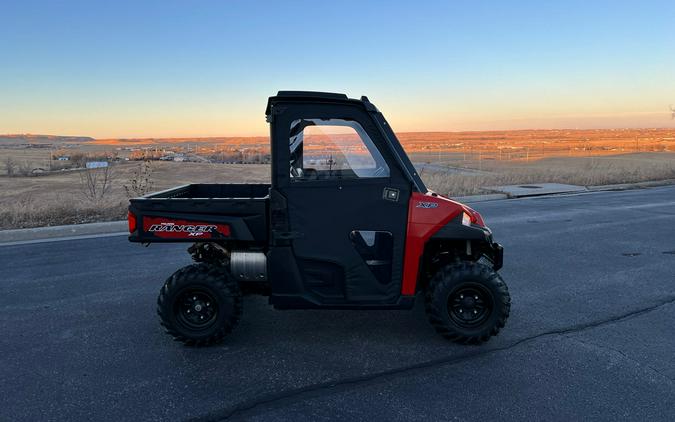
(346, 223)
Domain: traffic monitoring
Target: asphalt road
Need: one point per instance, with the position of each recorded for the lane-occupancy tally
(591, 333)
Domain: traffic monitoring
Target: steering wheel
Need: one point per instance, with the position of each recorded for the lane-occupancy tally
(311, 173)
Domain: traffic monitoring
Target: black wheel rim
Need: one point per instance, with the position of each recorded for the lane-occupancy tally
(470, 305)
(196, 308)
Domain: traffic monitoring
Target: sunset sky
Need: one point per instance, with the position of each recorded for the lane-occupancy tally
(179, 68)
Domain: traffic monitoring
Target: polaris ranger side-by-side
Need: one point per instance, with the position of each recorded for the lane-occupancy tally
(346, 223)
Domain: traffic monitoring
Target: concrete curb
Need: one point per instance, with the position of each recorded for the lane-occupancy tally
(598, 188)
(636, 185)
(69, 231)
(536, 189)
(480, 198)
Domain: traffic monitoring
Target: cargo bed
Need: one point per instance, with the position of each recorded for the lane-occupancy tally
(202, 212)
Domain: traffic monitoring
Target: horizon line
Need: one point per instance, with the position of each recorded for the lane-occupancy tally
(396, 132)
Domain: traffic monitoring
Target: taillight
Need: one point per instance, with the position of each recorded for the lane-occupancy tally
(131, 218)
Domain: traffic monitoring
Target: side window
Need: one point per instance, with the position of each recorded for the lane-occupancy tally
(333, 149)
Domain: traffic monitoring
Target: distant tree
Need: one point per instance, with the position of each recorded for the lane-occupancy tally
(95, 184)
(137, 155)
(79, 159)
(25, 169)
(10, 166)
(140, 182)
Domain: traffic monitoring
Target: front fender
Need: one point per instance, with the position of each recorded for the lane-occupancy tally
(431, 216)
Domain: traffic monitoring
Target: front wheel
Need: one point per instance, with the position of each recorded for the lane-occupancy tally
(200, 304)
(467, 302)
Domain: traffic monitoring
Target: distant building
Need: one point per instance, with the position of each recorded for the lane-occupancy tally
(96, 164)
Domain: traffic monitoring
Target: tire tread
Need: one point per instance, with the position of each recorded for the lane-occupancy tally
(452, 274)
(218, 279)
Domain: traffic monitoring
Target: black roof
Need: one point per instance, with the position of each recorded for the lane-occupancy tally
(311, 94)
(314, 96)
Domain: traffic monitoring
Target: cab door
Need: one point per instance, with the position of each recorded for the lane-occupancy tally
(346, 206)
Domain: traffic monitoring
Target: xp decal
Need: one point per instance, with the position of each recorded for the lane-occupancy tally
(424, 204)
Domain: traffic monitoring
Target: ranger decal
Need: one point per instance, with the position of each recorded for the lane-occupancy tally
(175, 229)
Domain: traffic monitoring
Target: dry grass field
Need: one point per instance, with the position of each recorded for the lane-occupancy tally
(58, 198)
(538, 144)
(590, 171)
(454, 164)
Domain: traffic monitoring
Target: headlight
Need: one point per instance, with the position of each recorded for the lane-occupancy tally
(473, 217)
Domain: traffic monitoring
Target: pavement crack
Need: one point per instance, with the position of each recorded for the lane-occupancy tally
(316, 389)
(624, 356)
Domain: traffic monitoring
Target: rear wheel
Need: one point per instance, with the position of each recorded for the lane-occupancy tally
(200, 304)
(467, 302)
